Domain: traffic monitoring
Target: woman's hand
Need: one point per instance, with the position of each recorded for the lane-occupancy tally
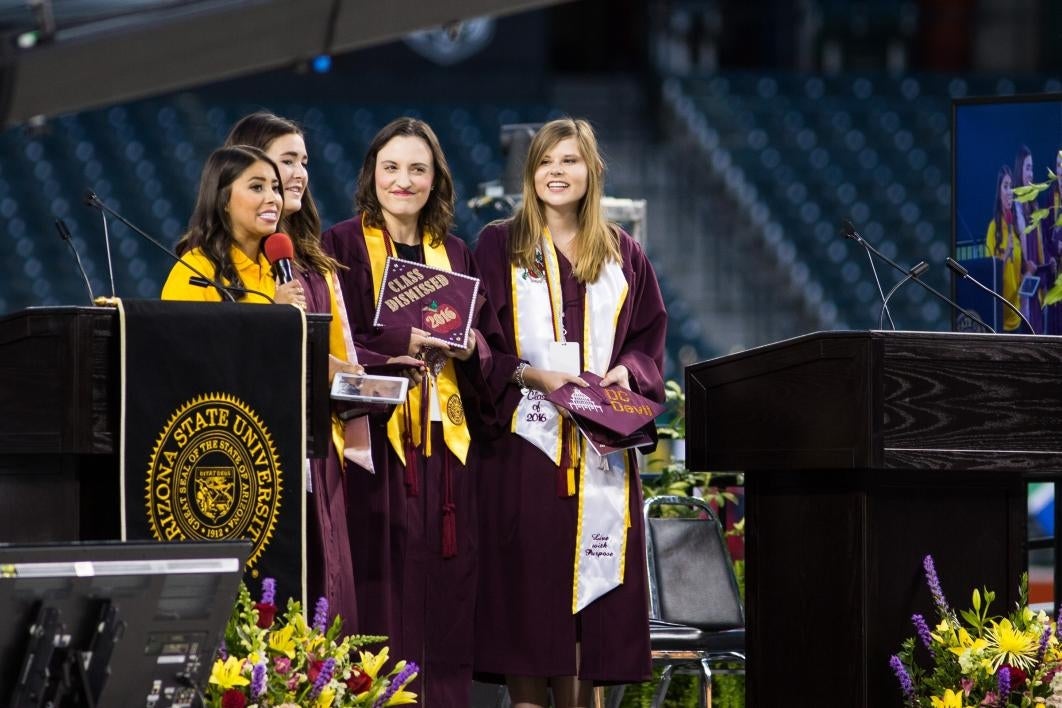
(415, 370)
(548, 381)
(418, 340)
(618, 374)
(291, 294)
(338, 366)
(462, 354)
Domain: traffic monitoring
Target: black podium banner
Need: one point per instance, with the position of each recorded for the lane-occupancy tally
(213, 443)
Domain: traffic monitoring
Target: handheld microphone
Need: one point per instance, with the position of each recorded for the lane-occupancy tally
(93, 201)
(280, 252)
(960, 271)
(64, 233)
(851, 233)
(917, 271)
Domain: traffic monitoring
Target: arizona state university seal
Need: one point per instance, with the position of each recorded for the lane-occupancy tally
(214, 474)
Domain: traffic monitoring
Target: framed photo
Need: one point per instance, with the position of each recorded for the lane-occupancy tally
(367, 388)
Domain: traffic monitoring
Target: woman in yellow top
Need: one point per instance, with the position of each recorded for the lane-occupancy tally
(238, 205)
(1002, 242)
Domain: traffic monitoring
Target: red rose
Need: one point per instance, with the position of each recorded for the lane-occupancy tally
(267, 612)
(314, 669)
(359, 681)
(1017, 678)
(233, 699)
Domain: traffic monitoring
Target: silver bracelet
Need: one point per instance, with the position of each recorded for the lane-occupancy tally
(518, 375)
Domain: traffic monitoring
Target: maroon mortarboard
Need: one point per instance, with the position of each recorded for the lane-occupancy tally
(440, 302)
(605, 441)
(611, 408)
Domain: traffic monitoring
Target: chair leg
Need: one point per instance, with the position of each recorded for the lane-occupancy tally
(706, 683)
(661, 689)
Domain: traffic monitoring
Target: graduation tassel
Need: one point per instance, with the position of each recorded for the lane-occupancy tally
(568, 462)
(449, 509)
(573, 441)
(412, 480)
(425, 414)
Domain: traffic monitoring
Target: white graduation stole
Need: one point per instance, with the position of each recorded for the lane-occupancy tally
(604, 482)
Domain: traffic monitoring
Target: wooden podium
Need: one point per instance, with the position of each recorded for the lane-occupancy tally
(864, 452)
(59, 404)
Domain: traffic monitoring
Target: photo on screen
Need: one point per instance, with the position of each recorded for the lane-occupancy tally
(999, 144)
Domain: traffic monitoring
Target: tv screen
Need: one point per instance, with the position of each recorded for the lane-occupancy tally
(998, 145)
(132, 624)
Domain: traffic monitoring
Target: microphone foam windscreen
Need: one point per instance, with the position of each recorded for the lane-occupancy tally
(278, 247)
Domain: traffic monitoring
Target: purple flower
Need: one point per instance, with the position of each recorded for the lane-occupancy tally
(223, 651)
(923, 632)
(320, 615)
(404, 677)
(934, 586)
(1043, 646)
(1003, 682)
(323, 678)
(269, 591)
(258, 679)
(902, 676)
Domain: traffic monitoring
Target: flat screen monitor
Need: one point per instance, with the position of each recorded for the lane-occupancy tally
(129, 624)
(994, 142)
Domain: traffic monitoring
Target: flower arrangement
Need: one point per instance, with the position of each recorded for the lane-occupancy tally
(981, 659)
(266, 661)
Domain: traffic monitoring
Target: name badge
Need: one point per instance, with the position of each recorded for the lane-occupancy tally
(564, 356)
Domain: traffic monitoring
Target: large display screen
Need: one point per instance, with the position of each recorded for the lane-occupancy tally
(1014, 248)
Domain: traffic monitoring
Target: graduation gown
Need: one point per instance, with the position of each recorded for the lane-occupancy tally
(524, 620)
(407, 590)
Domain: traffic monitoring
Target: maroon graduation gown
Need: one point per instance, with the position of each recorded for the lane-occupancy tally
(330, 572)
(524, 620)
(407, 590)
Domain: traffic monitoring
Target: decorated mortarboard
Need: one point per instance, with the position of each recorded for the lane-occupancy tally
(441, 302)
(609, 413)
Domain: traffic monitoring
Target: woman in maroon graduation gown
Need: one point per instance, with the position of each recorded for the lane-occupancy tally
(330, 572)
(413, 522)
(572, 293)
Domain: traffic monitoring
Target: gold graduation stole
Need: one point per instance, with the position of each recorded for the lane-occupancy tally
(407, 429)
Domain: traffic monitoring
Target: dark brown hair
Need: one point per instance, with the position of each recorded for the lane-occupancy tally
(437, 216)
(209, 228)
(259, 130)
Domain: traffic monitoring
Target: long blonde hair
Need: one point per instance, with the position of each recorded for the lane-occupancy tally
(596, 240)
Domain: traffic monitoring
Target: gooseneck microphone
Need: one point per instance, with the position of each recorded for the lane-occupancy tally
(280, 252)
(93, 201)
(851, 233)
(204, 283)
(960, 271)
(64, 233)
(917, 270)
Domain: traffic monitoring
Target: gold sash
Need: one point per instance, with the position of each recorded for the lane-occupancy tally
(406, 423)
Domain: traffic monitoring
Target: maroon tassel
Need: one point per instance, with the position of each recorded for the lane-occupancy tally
(412, 478)
(449, 509)
(565, 461)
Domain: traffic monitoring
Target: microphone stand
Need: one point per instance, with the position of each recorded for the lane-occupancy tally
(93, 201)
(917, 271)
(204, 283)
(850, 232)
(64, 233)
(960, 271)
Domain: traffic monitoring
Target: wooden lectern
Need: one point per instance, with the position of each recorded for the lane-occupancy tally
(864, 452)
(59, 403)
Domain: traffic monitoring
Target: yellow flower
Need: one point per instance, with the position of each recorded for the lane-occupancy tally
(1007, 645)
(325, 699)
(282, 642)
(371, 665)
(401, 698)
(226, 674)
(951, 699)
